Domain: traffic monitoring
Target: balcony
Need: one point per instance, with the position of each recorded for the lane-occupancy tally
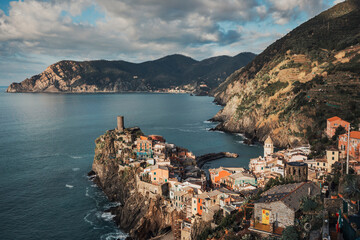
(265, 228)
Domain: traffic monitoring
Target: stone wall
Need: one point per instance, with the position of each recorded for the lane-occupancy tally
(278, 211)
(152, 190)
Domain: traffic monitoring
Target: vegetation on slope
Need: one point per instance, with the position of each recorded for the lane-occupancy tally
(299, 81)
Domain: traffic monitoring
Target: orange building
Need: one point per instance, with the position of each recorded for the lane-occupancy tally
(144, 147)
(354, 150)
(218, 175)
(157, 138)
(333, 123)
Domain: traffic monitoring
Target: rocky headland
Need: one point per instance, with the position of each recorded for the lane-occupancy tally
(141, 216)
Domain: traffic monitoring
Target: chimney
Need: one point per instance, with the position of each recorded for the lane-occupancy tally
(120, 123)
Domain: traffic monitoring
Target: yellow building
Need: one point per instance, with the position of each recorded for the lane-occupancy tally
(332, 156)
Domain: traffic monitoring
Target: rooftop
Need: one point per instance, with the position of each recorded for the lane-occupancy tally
(289, 194)
(334, 119)
(296, 164)
(241, 175)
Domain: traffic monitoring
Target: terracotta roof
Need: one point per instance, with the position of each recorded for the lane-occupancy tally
(355, 134)
(334, 119)
(268, 140)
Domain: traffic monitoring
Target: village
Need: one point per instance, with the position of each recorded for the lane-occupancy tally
(280, 190)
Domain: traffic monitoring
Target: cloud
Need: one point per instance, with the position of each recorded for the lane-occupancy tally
(284, 11)
(338, 1)
(137, 30)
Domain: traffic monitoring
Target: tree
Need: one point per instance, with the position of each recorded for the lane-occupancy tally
(290, 233)
(308, 204)
(340, 130)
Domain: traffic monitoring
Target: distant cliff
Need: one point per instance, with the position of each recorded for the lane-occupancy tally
(120, 76)
(289, 90)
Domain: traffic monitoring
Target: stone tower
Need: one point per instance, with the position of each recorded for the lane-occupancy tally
(297, 171)
(120, 123)
(268, 146)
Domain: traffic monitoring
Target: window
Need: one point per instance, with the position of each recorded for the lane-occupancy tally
(194, 209)
(199, 200)
(154, 173)
(200, 207)
(176, 204)
(154, 178)
(318, 164)
(333, 153)
(333, 158)
(194, 201)
(165, 180)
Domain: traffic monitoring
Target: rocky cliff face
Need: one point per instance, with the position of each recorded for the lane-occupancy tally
(120, 76)
(141, 216)
(290, 89)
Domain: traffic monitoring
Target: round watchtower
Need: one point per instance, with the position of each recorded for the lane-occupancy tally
(120, 123)
(297, 171)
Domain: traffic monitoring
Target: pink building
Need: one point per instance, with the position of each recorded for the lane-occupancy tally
(333, 123)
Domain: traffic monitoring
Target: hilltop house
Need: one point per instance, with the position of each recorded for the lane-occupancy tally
(277, 208)
(333, 123)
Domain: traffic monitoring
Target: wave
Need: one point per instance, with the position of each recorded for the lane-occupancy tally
(207, 121)
(112, 204)
(88, 215)
(76, 169)
(107, 216)
(218, 131)
(114, 235)
(69, 186)
(75, 157)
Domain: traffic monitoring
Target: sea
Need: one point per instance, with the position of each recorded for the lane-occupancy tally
(47, 149)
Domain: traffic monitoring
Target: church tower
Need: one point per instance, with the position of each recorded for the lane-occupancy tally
(268, 146)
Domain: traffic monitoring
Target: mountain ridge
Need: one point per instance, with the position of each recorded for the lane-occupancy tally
(120, 76)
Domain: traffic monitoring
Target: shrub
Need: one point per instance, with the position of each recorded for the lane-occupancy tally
(290, 64)
(272, 88)
(290, 233)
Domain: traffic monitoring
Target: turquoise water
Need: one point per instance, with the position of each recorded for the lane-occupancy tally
(47, 145)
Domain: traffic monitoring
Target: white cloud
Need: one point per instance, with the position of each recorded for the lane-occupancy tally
(338, 1)
(137, 30)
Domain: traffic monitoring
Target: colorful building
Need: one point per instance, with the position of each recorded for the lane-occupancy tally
(237, 180)
(158, 174)
(333, 123)
(354, 144)
(277, 207)
(217, 174)
(332, 156)
(144, 148)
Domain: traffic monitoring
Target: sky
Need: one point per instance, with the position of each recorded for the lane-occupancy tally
(37, 33)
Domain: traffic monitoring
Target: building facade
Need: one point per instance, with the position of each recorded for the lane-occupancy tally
(333, 123)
